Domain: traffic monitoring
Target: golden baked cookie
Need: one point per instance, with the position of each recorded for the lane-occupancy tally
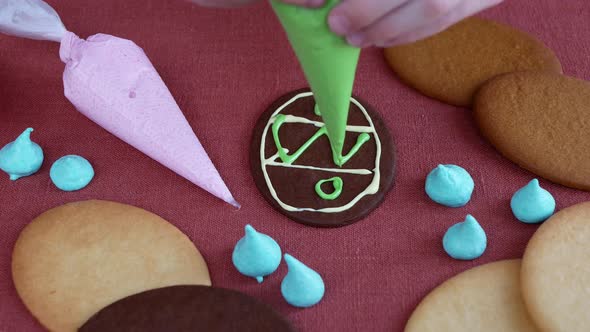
(484, 299)
(453, 64)
(555, 272)
(541, 122)
(75, 259)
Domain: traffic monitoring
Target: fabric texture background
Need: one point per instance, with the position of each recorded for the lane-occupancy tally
(224, 67)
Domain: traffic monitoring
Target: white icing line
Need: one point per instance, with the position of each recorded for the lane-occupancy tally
(272, 162)
(370, 190)
(297, 119)
(335, 170)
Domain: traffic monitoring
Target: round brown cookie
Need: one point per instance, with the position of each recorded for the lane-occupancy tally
(540, 122)
(294, 185)
(187, 308)
(555, 274)
(73, 260)
(484, 299)
(453, 64)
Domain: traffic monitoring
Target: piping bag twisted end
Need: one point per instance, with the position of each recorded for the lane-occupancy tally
(69, 46)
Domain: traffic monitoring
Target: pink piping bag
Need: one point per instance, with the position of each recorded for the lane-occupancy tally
(112, 82)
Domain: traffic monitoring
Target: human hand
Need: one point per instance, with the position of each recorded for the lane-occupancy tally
(224, 3)
(385, 23)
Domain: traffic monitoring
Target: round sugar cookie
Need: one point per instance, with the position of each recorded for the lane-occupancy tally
(291, 188)
(484, 299)
(540, 122)
(555, 271)
(453, 64)
(187, 308)
(75, 259)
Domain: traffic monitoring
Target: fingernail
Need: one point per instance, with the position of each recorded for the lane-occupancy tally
(357, 39)
(339, 24)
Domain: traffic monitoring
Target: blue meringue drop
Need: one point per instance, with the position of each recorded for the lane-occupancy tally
(256, 255)
(465, 240)
(22, 157)
(449, 185)
(302, 287)
(532, 204)
(71, 173)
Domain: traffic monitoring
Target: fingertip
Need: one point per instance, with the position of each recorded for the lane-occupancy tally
(358, 39)
(394, 43)
(386, 44)
(339, 24)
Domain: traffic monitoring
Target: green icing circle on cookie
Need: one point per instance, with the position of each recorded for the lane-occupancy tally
(336, 182)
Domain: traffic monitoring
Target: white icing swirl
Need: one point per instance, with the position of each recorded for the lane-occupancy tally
(371, 189)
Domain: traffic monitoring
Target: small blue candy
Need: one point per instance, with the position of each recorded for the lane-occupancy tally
(532, 204)
(70, 173)
(465, 240)
(22, 157)
(449, 185)
(302, 287)
(256, 255)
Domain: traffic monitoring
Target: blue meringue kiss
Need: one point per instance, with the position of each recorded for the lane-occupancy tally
(256, 255)
(449, 185)
(22, 157)
(532, 204)
(71, 173)
(302, 287)
(465, 240)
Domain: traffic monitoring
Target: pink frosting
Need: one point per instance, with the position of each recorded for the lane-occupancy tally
(112, 82)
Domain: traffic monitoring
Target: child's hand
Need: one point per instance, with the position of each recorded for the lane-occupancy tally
(386, 23)
(223, 3)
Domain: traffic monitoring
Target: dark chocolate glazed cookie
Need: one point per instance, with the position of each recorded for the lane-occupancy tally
(304, 183)
(187, 309)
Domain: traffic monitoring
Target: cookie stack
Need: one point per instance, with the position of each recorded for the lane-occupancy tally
(105, 266)
(545, 291)
(532, 114)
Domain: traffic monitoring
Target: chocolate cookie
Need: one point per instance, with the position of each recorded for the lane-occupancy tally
(187, 309)
(296, 189)
(540, 122)
(453, 64)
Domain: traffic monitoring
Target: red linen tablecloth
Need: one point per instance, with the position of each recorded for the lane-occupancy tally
(224, 67)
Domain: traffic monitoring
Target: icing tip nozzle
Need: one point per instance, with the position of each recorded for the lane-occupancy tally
(235, 203)
(535, 182)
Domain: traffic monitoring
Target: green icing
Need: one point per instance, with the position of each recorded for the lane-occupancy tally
(362, 139)
(289, 159)
(316, 110)
(336, 182)
(329, 64)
